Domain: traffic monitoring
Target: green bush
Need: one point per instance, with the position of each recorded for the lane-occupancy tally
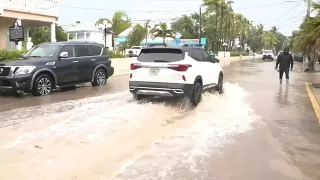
(113, 54)
(10, 55)
(237, 53)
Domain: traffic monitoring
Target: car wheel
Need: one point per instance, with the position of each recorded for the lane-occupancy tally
(43, 85)
(219, 88)
(196, 94)
(100, 78)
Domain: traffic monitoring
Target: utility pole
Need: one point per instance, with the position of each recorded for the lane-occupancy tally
(221, 20)
(147, 29)
(216, 31)
(200, 25)
(308, 8)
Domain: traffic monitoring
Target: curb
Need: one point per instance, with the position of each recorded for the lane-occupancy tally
(313, 100)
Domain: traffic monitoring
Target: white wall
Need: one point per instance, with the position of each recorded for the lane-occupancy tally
(96, 37)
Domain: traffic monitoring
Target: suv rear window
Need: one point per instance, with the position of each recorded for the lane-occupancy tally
(160, 55)
(95, 50)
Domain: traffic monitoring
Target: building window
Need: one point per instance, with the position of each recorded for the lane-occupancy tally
(88, 36)
(80, 36)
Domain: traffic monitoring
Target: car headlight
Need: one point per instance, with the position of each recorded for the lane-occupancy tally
(24, 70)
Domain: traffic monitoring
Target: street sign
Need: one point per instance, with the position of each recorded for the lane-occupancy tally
(16, 33)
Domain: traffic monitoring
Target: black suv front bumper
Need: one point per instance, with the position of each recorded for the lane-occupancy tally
(20, 84)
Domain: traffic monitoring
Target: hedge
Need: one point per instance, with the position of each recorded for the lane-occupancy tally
(114, 55)
(16, 54)
(9, 55)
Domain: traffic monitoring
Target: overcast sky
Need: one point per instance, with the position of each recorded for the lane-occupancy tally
(287, 16)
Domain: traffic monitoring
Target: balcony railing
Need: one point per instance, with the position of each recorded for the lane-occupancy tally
(47, 7)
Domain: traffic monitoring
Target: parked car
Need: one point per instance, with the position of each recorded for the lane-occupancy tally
(134, 51)
(50, 66)
(267, 54)
(175, 72)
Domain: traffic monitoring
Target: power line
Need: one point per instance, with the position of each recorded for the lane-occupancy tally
(290, 19)
(282, 15)
(289, 24)
(261, 6)
(289, 10)
(137, 11)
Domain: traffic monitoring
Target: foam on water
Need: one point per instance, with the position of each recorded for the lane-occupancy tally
(215, 121)
(111, 135)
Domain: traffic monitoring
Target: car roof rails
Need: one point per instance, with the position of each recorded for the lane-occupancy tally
(191, 45)
(91, 42)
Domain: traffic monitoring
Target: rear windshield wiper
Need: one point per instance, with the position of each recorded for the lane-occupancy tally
(160, 61)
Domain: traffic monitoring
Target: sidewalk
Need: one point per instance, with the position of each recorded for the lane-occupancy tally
(122, 65)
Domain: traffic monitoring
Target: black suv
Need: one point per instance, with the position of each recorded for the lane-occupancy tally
(49, 66)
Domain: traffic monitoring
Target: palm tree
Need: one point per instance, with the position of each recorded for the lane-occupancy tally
(120, 22)
(186, 25)
(307, 39)
(270, 40)
(138, 33)
(161, 30)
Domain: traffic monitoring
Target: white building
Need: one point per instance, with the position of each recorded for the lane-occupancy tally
(84, 32)
(27, 13)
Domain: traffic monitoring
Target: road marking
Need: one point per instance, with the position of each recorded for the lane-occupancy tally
(314, 101)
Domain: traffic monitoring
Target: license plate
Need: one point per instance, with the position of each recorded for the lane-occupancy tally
(154, 72)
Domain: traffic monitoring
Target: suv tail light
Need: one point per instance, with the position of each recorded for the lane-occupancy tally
(135, 66)
(179, 67)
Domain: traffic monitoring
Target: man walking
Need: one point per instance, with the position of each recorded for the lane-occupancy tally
(285, 62)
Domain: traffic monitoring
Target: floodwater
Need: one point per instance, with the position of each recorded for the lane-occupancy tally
(256, 130)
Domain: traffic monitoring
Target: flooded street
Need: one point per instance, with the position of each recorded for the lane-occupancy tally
(256, 130)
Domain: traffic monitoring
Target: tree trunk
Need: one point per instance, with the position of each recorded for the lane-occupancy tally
(311, 63)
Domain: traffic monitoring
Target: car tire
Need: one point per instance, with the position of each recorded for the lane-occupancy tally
(219, 87)
(196, 96)
(43, 85)
(100, 78)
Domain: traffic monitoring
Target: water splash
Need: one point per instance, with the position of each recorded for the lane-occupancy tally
(111, 136)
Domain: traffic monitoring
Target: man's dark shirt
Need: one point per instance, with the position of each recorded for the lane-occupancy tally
(285, 61)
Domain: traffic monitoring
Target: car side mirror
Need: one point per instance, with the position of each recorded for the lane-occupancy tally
(64, 55)
(212, 57)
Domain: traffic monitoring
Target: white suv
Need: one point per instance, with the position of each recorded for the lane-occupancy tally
(175, 72)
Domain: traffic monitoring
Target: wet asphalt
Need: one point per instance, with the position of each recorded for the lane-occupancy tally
(283, 144)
